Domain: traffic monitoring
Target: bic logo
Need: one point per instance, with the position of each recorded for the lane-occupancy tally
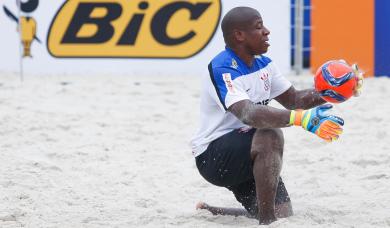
(133, 28)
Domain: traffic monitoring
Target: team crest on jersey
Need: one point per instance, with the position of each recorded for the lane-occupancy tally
(265, 78)
(234, 64)
(227, 78)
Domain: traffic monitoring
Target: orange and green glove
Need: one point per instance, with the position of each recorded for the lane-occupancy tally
(317, 121)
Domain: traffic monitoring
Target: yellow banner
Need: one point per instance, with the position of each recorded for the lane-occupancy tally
(135, 29)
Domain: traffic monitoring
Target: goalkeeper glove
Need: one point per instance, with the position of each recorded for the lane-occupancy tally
(317, 121)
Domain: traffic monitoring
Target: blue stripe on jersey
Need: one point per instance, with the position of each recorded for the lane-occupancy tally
(228, 62)
(220, 90)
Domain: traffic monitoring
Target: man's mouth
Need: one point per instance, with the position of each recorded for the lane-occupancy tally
(266, 41)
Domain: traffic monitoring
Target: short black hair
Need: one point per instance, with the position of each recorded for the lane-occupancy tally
(237, 18)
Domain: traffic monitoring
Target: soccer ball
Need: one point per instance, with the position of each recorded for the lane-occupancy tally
(335, 81)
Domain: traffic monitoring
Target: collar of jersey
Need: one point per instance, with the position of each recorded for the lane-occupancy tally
(251, 69)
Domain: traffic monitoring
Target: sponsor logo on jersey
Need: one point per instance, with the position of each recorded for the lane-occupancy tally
(227, 78)
(133, 29)
(264, 102)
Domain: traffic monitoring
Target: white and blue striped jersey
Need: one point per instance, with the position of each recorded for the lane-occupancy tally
(230, 80)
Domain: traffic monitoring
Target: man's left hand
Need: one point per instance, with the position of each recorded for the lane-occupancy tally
(360, 77)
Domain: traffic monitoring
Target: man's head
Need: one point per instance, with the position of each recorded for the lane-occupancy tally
(243, 27)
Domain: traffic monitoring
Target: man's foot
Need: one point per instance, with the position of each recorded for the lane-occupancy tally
(205, 206)
(223, 210)
(201, 205)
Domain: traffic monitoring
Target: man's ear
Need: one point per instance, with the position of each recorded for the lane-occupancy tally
(239, 35)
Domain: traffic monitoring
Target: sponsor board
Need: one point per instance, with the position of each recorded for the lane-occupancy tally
(56, 42)
(136, 29)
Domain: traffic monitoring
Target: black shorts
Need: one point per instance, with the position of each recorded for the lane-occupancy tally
(227, 163)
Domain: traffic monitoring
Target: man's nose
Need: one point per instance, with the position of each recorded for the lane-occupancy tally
(266, 31)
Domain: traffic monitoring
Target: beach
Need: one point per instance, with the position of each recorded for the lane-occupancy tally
(113, 151)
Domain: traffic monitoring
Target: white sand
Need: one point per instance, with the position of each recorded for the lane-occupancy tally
(112, 151)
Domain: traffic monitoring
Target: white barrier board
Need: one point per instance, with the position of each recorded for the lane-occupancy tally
(127, 37)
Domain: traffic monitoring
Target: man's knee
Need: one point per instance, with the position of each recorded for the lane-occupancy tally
(267, 141)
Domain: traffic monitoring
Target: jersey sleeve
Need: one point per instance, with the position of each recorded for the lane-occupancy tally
(279, 83)
(228, 89)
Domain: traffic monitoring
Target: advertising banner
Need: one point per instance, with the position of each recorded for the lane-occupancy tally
(140, 37)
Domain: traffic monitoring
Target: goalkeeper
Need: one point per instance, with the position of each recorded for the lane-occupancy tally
(239, 144)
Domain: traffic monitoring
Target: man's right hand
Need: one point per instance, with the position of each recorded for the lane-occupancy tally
(317, 121)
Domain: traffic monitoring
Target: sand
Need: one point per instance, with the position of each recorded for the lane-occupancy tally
(113, 151)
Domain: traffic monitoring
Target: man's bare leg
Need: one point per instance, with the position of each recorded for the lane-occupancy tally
(281, 210)
(224, 210)
(267, 154)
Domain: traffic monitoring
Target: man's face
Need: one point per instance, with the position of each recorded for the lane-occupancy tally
(256, 37)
